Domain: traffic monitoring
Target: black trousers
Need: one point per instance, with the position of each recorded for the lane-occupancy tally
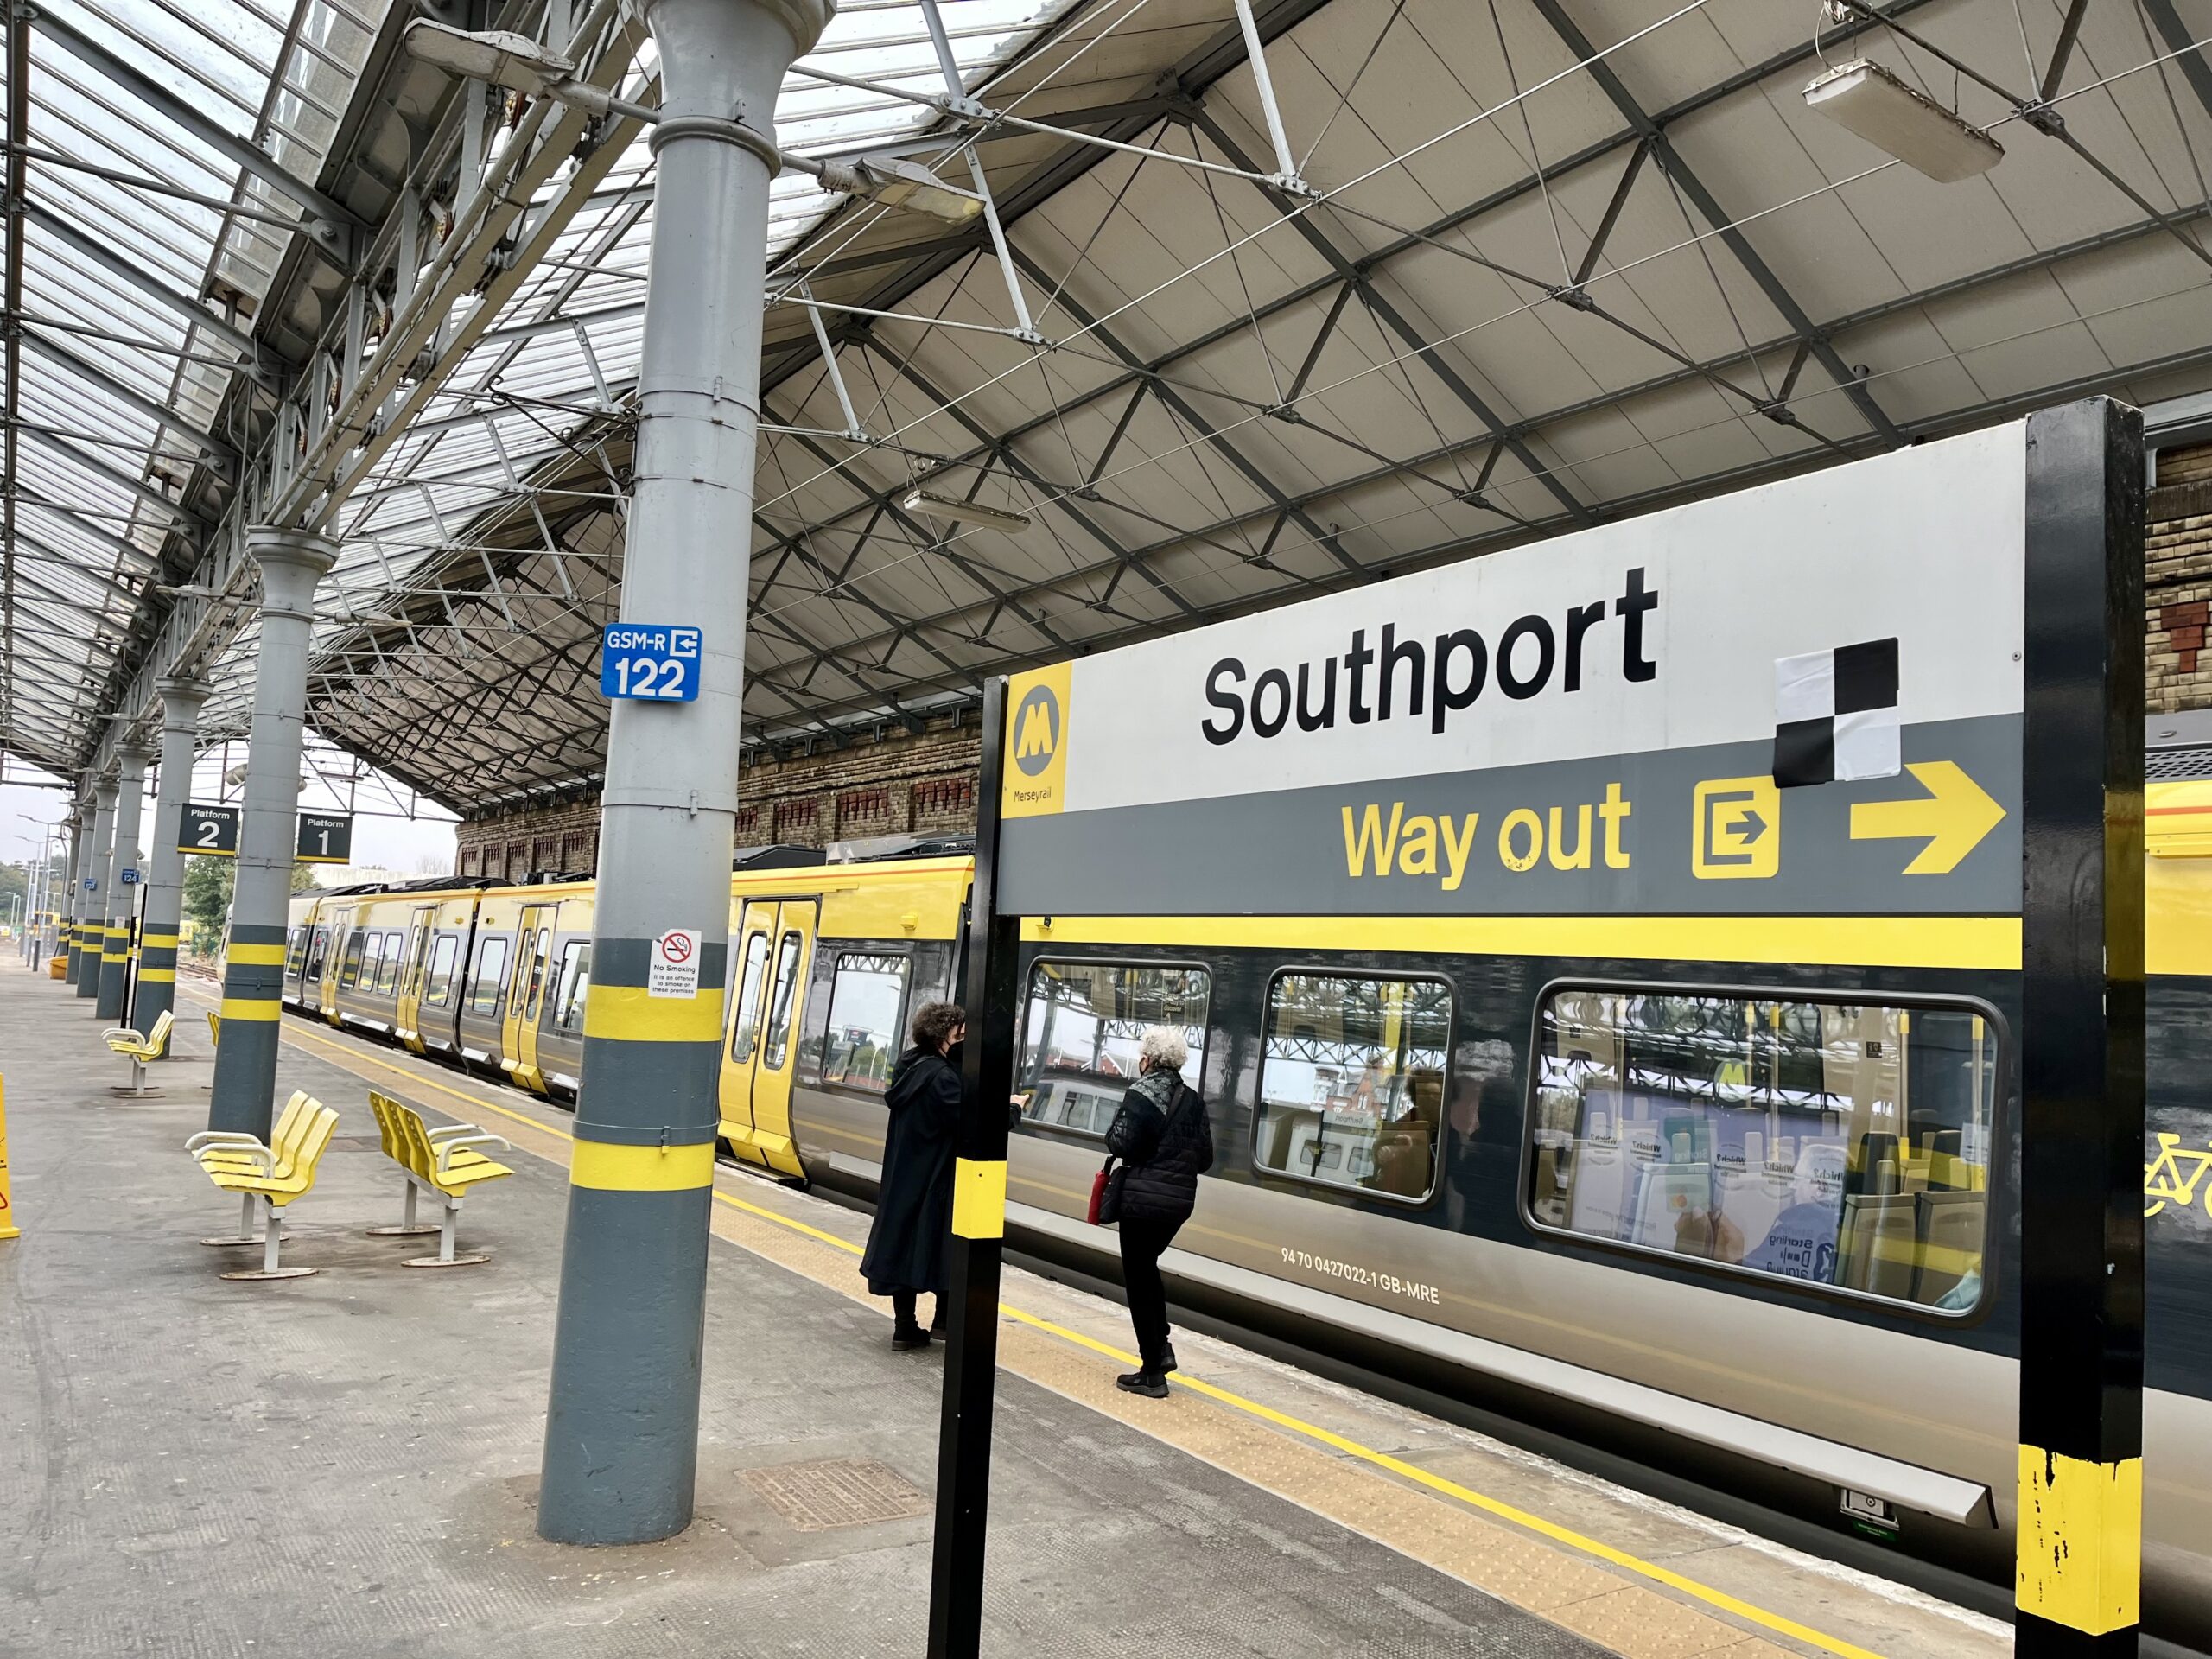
(1142, 1244)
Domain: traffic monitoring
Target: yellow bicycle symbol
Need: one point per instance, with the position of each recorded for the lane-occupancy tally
(2175, 1175)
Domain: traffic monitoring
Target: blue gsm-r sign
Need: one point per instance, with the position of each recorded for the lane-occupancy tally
(653, 660)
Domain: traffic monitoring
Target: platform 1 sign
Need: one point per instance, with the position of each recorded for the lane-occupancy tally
(213, 831)
(1803, 699)
(325, 838)
(656, 661)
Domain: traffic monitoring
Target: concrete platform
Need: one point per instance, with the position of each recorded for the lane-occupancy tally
(345, 1464)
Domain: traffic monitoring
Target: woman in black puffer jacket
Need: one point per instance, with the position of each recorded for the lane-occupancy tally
(1162, 1135)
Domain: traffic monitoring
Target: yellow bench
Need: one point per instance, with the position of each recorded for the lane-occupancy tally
(274, 1174)
(442, 1161)
(138, 1050)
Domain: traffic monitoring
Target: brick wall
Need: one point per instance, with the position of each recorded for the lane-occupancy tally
(2177, 582)
(892, 785)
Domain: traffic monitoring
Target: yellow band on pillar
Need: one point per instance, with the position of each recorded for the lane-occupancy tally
(979, 1198)
(157, 975)
(252, 1008)
(256, 955)
(612, 1168)
(631, 1013)
(2080, 1541)
(153, 936)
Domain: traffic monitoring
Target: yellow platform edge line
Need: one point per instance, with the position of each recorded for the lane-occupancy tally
(1565, 1536)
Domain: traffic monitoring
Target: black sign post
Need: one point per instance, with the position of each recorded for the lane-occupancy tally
(972, 1267)
(325, 838)
(211, 831)
(2079, 1539)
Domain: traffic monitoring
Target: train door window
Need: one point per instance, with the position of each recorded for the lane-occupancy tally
(1836, 1143)
(372, 961)
(388, 970)
(782, 1003)
(491, 967)
(350, 970)
(1352, 1082)
(317, 951)
(295, 953)
(1081, 1030)
(570, 987)
(746, 1013)
(539, 956)
(867, 996)
(440, 979)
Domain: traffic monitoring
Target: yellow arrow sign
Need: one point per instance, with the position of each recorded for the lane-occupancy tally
(1955, 815)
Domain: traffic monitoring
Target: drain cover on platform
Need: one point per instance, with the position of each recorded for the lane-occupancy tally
(838, 1492)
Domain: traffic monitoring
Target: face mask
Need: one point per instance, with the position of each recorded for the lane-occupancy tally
(952, 1054)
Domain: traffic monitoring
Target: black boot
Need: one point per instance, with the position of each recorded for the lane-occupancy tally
(907, 1337)
(1167, 1364)
(1149, 1382)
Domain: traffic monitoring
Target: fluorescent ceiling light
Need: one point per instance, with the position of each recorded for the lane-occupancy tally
(1871, 102)
(895, 182)
(965, 513)
(515, 61)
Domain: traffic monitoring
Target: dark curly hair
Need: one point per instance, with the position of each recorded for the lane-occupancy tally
(934, 1022)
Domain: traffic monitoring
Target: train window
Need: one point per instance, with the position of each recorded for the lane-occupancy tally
(1830, 1142)
(776, 1043)
(866, 998)
(317, 952)
(442, 958)
(745, 1012)
(491, 968)
(350, 970)
(1081, 1030)
(295, 953)
(569, 989)
(1351, 1082)
(539, 956)
(388, 970)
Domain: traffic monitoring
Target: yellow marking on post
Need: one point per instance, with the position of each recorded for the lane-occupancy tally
(152, 937)
(1992, 942)
(612, 1168)
(8, 1227)
(979, 1198)
(157, 975)
(2079, 1543)
(630, 1013)
(258, 956)
(265, 1009)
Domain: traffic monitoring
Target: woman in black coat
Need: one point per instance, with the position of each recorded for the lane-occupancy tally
(913, 1209)
(1161, 1135)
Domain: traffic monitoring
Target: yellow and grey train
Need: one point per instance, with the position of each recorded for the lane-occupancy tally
(1753, 1224)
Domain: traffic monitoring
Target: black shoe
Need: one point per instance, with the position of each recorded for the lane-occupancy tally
(1168, 1364)
(1150, 1383)
(909, 1338)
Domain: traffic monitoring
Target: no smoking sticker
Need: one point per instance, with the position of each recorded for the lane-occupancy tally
(674, 970)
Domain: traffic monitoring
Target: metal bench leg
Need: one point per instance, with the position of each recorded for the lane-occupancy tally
(246, 1233)
(139, 1089)
(272, 1240)
(408, 1225)
(445, 1257)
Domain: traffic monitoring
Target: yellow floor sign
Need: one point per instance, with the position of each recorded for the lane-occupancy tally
(8, 1227)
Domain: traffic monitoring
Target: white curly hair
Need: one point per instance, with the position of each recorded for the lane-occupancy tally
(1164, 1047)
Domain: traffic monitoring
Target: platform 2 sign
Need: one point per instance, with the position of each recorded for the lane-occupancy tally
(654, 662)
(1804, 699)
(324, 838)
(213, 831)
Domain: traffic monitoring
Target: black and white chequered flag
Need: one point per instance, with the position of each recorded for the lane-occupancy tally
(1835, 714)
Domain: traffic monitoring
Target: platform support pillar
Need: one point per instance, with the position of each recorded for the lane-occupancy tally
(92, 914)
(622, 1415)
(70, 900)
(292, 562)
(121, 895)
(992, 998)
(157, 940)
(2079, 1519)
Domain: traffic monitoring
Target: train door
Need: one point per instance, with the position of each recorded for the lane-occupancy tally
(533, 958)
(342, 925)
(775, 954)
(407, 1022)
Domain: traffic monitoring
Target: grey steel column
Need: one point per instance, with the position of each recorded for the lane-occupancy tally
(157, 938)
(622, 1422)
(73, 894)
(122, 904)
(292, 562)
(91, 915)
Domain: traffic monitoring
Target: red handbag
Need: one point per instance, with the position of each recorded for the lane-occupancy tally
(1101, 1185)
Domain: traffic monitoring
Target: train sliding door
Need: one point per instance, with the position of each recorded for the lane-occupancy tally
(519, 1033)
(775, 954)
(408, 1020)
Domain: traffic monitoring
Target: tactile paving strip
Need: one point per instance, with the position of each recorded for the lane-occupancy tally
(832, 1492)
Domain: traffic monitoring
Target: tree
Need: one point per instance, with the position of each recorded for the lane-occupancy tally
(303, 878)
(208, 883)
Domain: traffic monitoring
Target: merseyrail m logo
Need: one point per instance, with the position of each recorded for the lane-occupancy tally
(1036, 742)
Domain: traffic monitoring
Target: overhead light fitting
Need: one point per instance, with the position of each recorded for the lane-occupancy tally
(965, 513)
(895, 182)
(1869, 100)
(506, 59)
